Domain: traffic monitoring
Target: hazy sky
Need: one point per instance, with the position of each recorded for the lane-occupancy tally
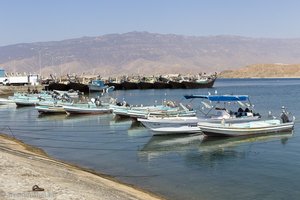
(49, 20)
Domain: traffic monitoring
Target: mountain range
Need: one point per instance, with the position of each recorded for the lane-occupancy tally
(147, 53)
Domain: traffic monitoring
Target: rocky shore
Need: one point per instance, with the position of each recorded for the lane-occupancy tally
(28, 173)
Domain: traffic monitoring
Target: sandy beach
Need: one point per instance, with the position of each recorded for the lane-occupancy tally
(23, 166)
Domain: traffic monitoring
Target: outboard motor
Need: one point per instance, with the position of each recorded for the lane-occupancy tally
(284, 116)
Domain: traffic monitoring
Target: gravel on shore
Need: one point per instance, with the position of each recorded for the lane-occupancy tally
(23, 166)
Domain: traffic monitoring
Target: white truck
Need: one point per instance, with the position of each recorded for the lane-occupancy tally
(20, 80)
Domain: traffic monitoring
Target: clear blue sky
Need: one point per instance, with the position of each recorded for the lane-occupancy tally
(49, 20)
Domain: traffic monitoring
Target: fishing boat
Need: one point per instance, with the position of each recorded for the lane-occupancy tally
(26, 99)
(50, 109)
(215, 114)
(146, 83)
(78, 87)
(4, 101)
(129, 85)
(92, 107)
(225, 107)
(57, 86)
(171, 125)
(86, 109)
(248, 128)
(200, 82)
(97, 86)
(168, 109)
(176, 84)
(116, 85)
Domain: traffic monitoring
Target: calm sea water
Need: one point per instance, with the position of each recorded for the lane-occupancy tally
(177, 167)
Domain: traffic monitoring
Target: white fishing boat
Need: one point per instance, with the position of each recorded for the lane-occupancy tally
(86, 109)
(248, 128)
(92, 107)
(45, 109)
(164, 110)
(171, 125)
(30, 99)
(26, 101)
(4, 101)
(215, 114)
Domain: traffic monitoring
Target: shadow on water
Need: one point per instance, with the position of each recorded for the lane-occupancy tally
(160, 145)
(213, 143)
(202, 147)
(213, 150)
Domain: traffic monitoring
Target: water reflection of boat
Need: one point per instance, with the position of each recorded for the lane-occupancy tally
(214, 143)
(160, 145)
(137, 129)
(42, 117)
(213, 151)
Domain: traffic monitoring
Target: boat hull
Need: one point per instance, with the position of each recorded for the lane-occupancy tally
(57, 86)
(24, 102)
(127, 85)
(79, 87)
(196, 85)
(231, 131)
(163, 124)
(161, 85)
(176, 130)
(50, 109)
(177, 85)
(145, 85)
(95, 88)
(117, 86)
(80, 110)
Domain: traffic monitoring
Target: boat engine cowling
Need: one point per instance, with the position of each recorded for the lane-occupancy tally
(284, 116)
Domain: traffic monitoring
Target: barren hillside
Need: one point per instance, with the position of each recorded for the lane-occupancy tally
(147, 53)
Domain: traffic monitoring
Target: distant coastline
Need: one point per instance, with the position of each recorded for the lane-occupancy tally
(264, 71)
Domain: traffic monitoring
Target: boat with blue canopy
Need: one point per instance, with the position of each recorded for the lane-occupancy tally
(226, 129)
(215, 109)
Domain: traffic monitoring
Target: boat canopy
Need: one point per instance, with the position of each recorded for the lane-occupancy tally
(219, 97)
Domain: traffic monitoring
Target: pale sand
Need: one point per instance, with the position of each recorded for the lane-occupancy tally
(21, 169)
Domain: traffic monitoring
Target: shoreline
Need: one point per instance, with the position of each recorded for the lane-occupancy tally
(7, 90)
(23, 166)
